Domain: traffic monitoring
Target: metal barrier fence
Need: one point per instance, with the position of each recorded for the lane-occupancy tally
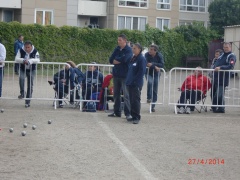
(42, 90)
(178, 75)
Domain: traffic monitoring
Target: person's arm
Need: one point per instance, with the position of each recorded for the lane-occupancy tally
(184, 85)
(229, 66)
(112, 57)
(18, 58)
(126, 56)
(141, 69)
(34, 60)
(2, 54)
(15, 48)
(71, 77)
(206, 84)
(160, 62)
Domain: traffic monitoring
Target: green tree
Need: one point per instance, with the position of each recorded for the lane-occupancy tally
(224, 13)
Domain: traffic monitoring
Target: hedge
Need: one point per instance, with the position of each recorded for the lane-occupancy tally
(83, 45)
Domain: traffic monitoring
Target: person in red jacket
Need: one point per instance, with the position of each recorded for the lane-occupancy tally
(192, 89)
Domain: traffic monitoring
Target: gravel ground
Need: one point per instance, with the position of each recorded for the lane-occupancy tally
(81, 145)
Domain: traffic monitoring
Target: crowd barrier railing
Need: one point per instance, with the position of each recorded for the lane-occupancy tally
(41, 88)
(232, 90)
(44, 80)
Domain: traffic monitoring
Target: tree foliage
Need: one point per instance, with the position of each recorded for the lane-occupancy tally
(224, 13)
(84, 45)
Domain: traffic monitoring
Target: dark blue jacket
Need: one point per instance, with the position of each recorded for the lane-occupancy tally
(93, 79)
(79, 76)
(123, 56)
(157, 60)
(226, 62)
(17, 45)
(137, 69)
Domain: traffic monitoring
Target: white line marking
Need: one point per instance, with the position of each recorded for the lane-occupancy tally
(128, 154)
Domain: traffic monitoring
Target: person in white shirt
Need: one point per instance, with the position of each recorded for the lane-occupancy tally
(2, 59)
(28, 57)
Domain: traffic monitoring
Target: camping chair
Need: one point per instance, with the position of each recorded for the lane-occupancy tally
(199, 101)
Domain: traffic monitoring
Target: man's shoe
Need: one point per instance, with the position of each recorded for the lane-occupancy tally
(136, 121)
(20, 96)
(181, 110)
(188, 110)
(27, 105)
(153, 110)
(128, 117)
(149, 100)
(114, 115)
(60, 106)
(16, 73)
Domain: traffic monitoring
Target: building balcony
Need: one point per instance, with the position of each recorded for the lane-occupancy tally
(92, 8)
(10, 4)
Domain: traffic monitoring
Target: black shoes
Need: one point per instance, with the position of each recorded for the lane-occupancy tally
(153, 110)
(136, 121)
(20, 96)
(114, 115)
(27, 105)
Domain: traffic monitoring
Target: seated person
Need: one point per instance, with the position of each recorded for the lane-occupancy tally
(92, 82)
(67, 78)
(192, 89)
(106, 86)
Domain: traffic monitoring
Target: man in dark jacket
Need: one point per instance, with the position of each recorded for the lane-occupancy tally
(221, 78)
(155, 61)
(18, 44)
(120, 58)
(28, 57)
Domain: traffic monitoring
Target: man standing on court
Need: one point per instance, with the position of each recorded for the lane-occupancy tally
(155, 61)
(18, 44)
(2, 59)
(220, 79)
(120, 58)
(28, 57)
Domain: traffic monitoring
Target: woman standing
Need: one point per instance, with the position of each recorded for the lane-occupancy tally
(134, 81)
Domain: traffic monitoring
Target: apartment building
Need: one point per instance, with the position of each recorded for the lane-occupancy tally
(113, 14)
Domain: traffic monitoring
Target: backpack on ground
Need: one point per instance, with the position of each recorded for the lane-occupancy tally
(90, 107)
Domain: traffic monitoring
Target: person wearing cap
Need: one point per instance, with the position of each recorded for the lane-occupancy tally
(28, 57)
(18, 44)
(193, 89)
(134, 82)
(92, 82)
(2, 59)
(220, 78)
(120, 58)
(155, 62)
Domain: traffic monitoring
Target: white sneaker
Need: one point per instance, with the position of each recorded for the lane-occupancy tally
(188, 110)
(181, 110)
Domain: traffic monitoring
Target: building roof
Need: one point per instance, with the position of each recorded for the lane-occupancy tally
(233, 26)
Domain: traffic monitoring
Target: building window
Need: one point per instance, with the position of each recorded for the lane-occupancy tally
(7, 15)
(133, 3)
(44, 17)
(192, 5)
(161, 23)
(163, 4)
(188, 22)
(136, 23)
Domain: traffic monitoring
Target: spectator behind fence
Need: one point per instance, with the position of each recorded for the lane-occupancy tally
(221, 78)
(28, 57)
(155, 61)
(2, 59)
(193, 89)
(67, 78)
(92, 82)
(120, 58)
(18, 44)
(134, 82)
